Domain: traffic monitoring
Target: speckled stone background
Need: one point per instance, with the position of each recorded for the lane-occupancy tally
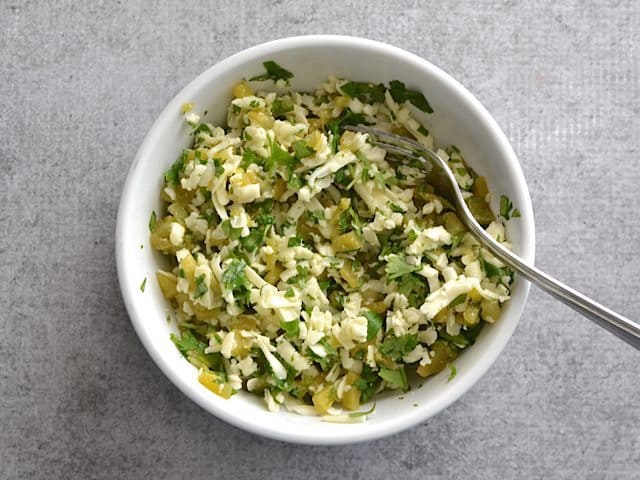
(80, 85)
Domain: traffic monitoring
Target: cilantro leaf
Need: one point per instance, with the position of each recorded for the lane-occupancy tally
(344, 176)
(291, 329)
(202, 127)
(152, 221)
(492, 271)
(218, 169)
(281, 106)
(414, 287)
(201, 286)
(458, 340)
(365, 92)
(506, 208)
(301, 278)
(301, 149)
(232, 233)
(255, 238)
(397, 267)
(172, 176)
(374, 323)
(395, 378)
(367, 383)
(401, 94)
(458, 300)
(335, 126)
(273, 72)
(423, 131)
(187, 341)
(453, 373)
(193, 350)
(265, 217)
(234, 277)
(249, 157)
(315, 216)
(294, 241)
(397, 347)
(281, 156)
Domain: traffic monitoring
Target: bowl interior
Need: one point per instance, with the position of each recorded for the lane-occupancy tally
(458, 119)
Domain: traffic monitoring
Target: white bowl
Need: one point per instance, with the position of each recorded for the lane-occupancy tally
(459, 119)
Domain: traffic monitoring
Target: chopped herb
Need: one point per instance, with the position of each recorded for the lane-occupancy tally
(234, 276)
(397, 267)
(152, 222)
(453, 373)
(193, 350)
(505, 208)
(232, 233)
(458, 340)
(301, 278)
(414, 287)
(265, 217)
(281, 157)
(395, 208)
(143, 284)
(401, 94)
(343, 176)
(281, 106)
(374, 323)
(397, 347)
(248, 157)
(395, 378)
(317, 101)
(202, 127)
(456, 239)
(294, 241)
(291, 329)
(461, 171)
(316, 215)
(367, 383)
(423, 131)
(289, 293)
(492, 271)
(336, 125)
(172, 176)
(296, 182)
(301, 149)
(273, 72)
(365, 92)
(201, 286)
(181, 273)
(218, 169)
(458, 300)
(255, 238)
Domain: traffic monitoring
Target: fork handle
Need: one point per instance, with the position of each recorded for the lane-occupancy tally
(606, 318)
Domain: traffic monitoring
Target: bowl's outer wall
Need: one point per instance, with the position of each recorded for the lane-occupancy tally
(458, 119)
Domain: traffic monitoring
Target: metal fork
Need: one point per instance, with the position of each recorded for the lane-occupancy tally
(438, 170)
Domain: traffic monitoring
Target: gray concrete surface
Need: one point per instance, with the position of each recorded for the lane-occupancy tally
(81, 83)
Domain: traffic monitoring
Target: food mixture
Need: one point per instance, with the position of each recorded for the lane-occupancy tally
(309, 268)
